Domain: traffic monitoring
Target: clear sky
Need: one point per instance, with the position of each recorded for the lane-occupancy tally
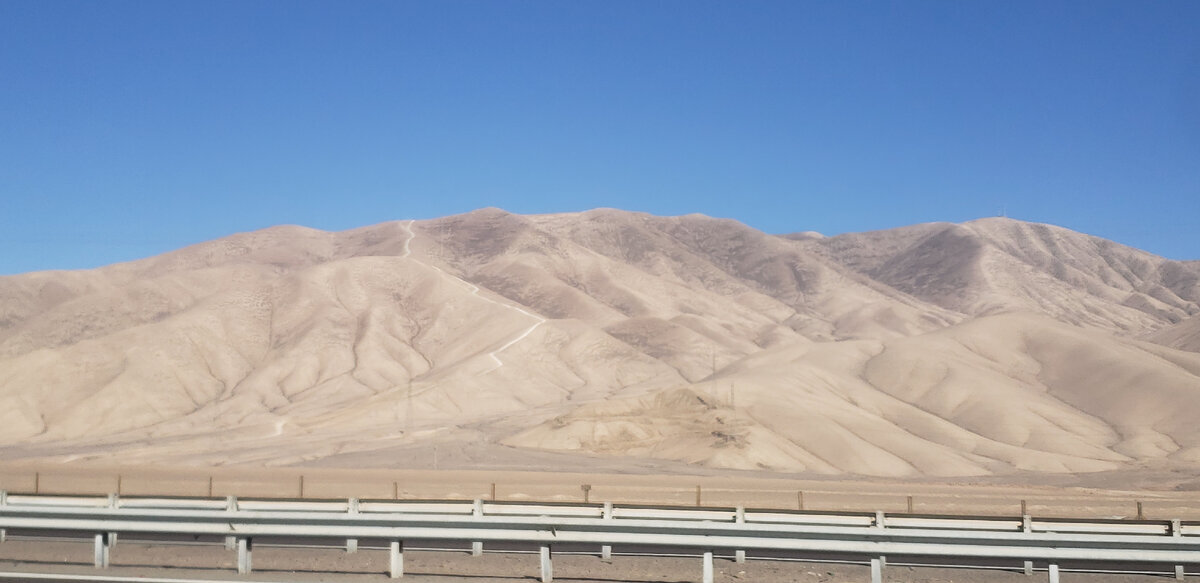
(132, 128)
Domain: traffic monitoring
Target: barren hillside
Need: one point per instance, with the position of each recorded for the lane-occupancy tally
(991, 347)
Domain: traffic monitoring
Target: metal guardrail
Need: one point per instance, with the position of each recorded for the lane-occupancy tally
(874, 536)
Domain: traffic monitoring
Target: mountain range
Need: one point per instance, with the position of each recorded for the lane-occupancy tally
(619, 340)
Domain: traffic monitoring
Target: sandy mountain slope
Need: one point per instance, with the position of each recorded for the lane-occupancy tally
(1184, 335)
(998, 265)
(997, 394)
(502, 339)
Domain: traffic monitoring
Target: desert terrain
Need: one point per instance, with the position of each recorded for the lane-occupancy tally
(993, 352)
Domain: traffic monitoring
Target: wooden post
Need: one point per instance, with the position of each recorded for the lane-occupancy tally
(210, 491)
(1023, 510)
(799, 499)
(697, 494)
(910, 505)
(587, 490)
(493, 492)
(118, 484)
(301, 485)
(1140, 515)
(395, 490)
(37, 482)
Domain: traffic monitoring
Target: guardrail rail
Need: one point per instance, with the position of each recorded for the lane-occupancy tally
(872, 536)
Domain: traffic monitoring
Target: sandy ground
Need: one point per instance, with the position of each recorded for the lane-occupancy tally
(683, 490)
(370, 564)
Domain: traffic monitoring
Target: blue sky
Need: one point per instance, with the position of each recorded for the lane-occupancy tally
(132, 128)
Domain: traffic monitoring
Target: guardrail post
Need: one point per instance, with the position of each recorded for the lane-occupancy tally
(231, 505)
(1052, 570)
(244, 547)
(397, 556)
(352, 508)
(477, 512)
(1027, 526)
(880, 520)
(1177, 530)
(114, 501)
(101, 552)
(606, 514)
(547, 565)
(876, 569)
(707, 572)
(739, 556)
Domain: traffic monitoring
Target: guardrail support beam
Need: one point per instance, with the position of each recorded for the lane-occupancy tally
(101, 552)
(707, 572)
(739, 556)
(1028, 568)
(477, 512)
(397, 559)
(1177, 530)
(876, 569)
(547, 564)
(352, 543)
(244, 546)
(606, 514)
(1053, 572)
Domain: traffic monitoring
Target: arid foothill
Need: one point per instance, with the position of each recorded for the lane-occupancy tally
(618, 342)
